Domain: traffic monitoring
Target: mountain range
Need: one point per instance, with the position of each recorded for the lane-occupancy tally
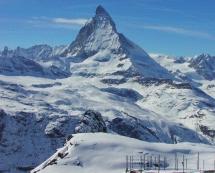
(100, 83)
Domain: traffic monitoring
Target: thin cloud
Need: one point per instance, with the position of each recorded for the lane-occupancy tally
(57, 22)
(67, 21)
(181, 31)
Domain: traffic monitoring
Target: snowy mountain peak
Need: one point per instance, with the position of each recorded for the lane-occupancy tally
(203, 55)
(204, 65)
(98, 33)
(103, 19)
(102, 50)
(100, 11)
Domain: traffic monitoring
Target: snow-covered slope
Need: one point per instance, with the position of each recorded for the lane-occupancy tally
(39, 114)
(45, 57)
(18, 65)
(199, 70)
(114, 86)
(106, 153)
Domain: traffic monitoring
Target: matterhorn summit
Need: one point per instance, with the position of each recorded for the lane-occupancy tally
(97, 34)
(100, 44)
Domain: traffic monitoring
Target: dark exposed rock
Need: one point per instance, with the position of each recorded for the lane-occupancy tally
(103, 59)
(25, 168)
(131, 72)
(154, 81)
(91, 121)
(210, 86)
(114, 81)
(180, 60)
(22, 130)
(184, 134)
(54, 133)
(2, 125)
(46, 85)
(69, 137)
(62, 155)
(151, 131)
(120, 65)
(204, 65)
(62, 127)
(133, 128)
(85, 74)
(207, 131)
(2, 114)
(124, 92)
(78, 163)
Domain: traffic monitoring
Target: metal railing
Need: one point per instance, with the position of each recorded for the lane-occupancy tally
(177, 162)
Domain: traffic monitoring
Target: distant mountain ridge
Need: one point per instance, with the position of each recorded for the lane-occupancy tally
(36, 52)
(31, 62)
(204, 65)
(198, 70)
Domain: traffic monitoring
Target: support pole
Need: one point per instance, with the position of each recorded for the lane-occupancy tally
(151, 162)
(141, 164)
(155, 163)
(126, 164)
(214, 164)
(183, 163)
(177, 163)
(203, 165)
(198, 161)
(159, 163)
(148, 162)
(130, 163)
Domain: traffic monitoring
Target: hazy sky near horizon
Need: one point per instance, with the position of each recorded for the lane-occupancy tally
(173, 27)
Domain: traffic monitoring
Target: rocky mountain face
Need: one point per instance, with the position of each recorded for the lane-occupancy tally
(101, 82)
(198, 70)
(99, 46)
(204, 65)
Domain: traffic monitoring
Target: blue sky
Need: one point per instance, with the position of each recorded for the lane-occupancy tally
(173, 27)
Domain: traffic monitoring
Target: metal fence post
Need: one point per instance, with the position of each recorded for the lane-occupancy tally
(126, 164)
(183, 163)
(159, 163)
(198, 161)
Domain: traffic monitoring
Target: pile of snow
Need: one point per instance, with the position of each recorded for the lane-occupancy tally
(106, 153)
